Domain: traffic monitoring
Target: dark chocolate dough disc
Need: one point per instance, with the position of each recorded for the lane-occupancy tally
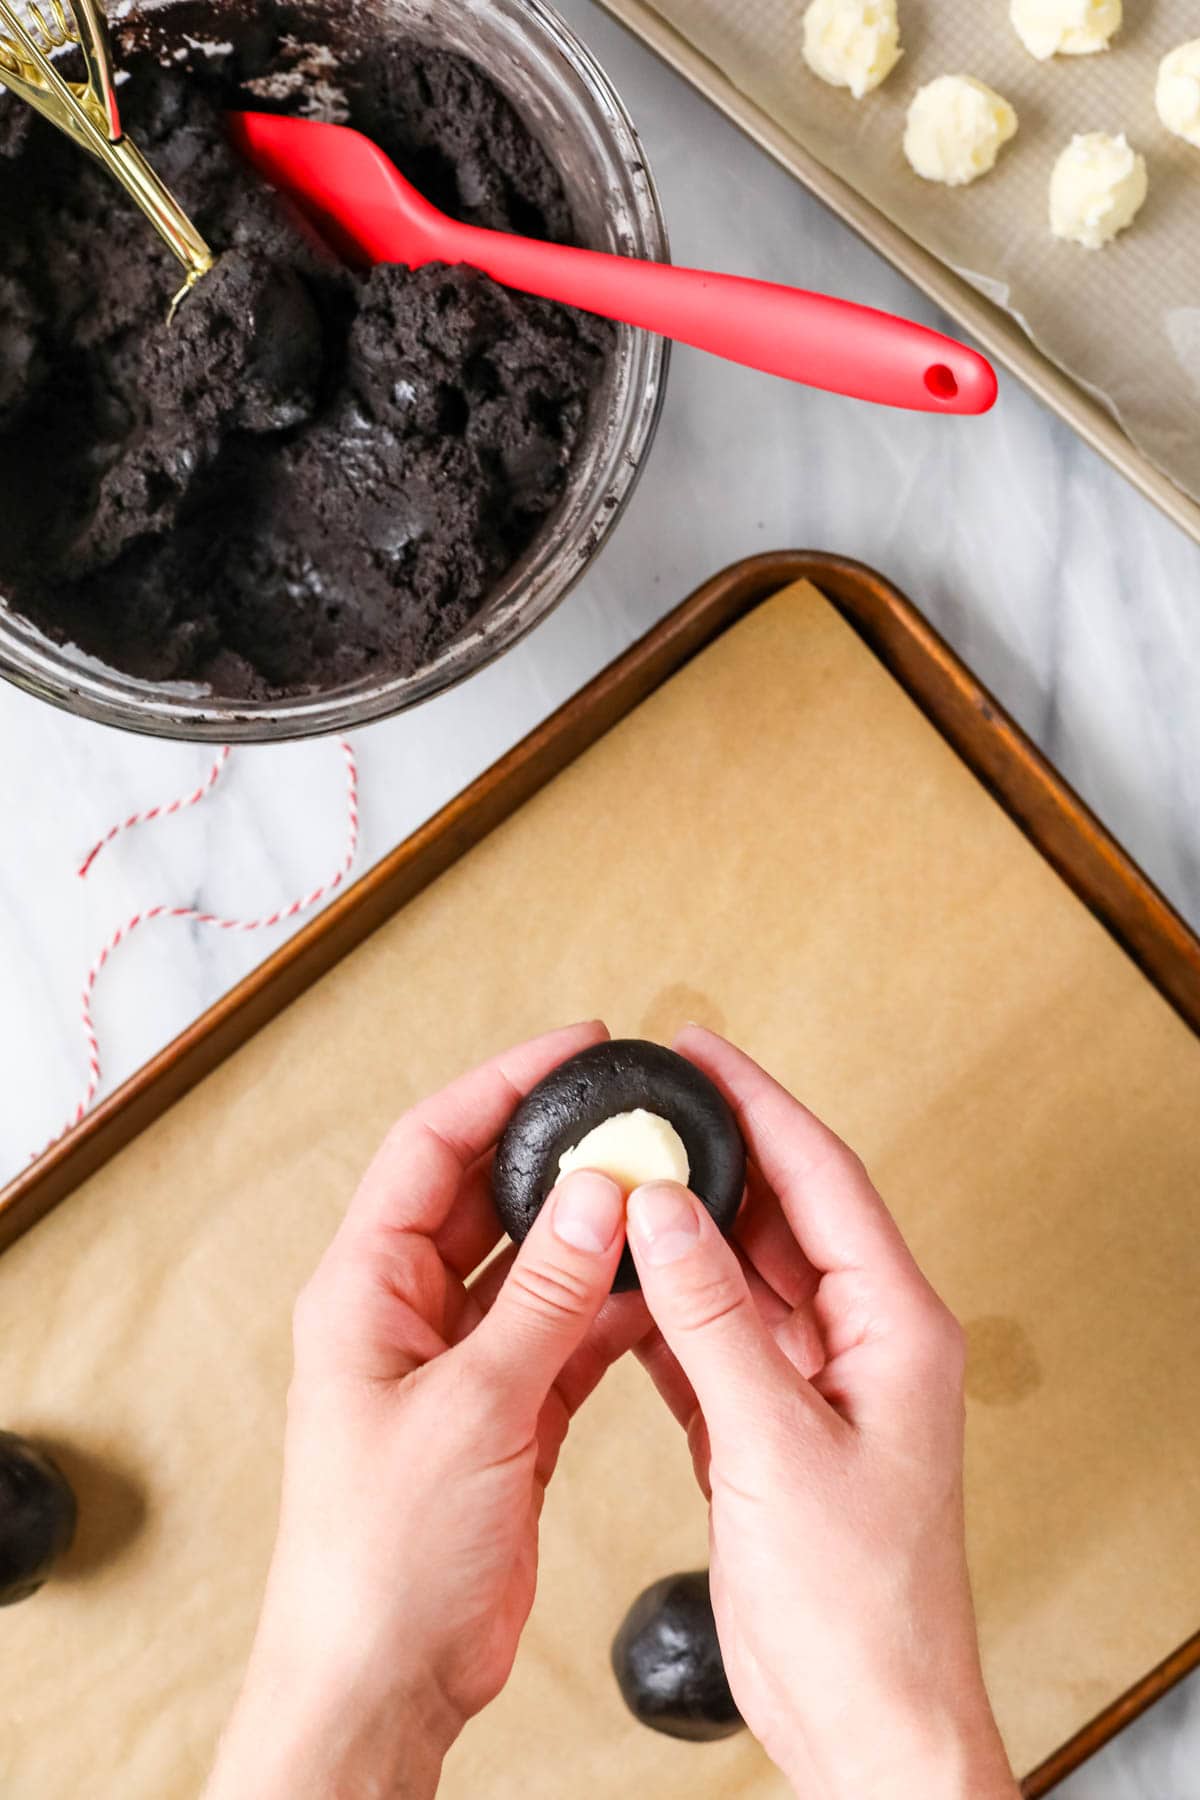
(37, 1517)
(585, 1090)
(667, 1661)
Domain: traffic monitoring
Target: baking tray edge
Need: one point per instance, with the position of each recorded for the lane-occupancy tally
(1000, 336)
(997, 752)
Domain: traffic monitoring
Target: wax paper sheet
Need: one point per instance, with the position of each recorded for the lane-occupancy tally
(1123, 321)
(843, 898)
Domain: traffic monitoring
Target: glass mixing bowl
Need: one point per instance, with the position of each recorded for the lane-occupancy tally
(569, 103)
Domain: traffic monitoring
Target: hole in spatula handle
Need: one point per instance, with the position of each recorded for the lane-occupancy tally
(941, 381)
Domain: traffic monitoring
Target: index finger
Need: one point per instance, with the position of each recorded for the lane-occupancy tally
(828, 1198)
(416, 1175)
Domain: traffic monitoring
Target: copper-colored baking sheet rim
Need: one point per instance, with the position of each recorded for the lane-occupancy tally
(1052, 817)
(998, 333)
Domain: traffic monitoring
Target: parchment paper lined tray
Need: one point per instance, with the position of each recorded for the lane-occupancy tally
(749, 818)
(1110, 339)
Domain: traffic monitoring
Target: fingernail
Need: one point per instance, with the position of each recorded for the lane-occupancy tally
(588, 1209)
(663, 1219)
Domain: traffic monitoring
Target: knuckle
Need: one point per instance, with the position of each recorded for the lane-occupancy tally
(708, 1300)
(495, 1411)
(943, 1342)
(854, 1165)
(956, 1346)
(399, 1134)
(700, 1449)
(548, 1292)
(839, 1158)
(473, 1381)
(307, 1315)
(323, 1304)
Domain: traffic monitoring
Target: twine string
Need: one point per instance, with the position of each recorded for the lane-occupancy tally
(158, 812)
(192, 913)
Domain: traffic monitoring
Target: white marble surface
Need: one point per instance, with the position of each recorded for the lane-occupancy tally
(1069, 595)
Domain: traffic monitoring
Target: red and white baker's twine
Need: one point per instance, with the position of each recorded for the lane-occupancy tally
(193, 913)
(158, 812)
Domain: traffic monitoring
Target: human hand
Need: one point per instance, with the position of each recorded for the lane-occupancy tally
(819, 1379)
(425, 1418)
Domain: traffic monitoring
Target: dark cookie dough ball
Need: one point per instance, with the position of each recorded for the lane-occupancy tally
(607, 1079)
(37, 1517)
(667, 1661)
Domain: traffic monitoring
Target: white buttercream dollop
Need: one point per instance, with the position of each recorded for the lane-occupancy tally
(956, 128)
(1065, 27)
(632, 1147)
(1177, 91)
(853, 44)
(1097, 186)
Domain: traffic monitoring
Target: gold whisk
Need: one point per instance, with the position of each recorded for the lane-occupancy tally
(30, 32)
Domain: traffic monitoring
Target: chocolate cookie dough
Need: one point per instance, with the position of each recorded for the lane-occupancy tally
(314, 475)
(37, 1517)
(668, 1664)
(665, 1108)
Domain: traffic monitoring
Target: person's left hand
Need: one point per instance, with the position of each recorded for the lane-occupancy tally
(425, 1418)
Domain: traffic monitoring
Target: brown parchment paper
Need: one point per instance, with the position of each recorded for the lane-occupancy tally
(1124, 321)
(779, 844)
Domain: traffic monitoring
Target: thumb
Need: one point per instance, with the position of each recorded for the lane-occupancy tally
(697, 1292)
(559, 1280)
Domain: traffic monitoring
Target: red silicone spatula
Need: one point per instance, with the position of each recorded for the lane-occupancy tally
(369, 213)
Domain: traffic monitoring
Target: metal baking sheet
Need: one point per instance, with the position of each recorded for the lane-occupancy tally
(127, 1218)
(996, 330)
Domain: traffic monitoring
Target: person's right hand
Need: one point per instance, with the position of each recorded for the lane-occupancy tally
(819, 1378)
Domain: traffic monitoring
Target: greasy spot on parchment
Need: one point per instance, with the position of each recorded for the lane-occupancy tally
(675, 1006)
(1002, 1365)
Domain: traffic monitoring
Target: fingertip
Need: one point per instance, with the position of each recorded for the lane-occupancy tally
(561, 1041)
(587, 1212)
(709, 1051)
(595, 1028)
(664, 1223)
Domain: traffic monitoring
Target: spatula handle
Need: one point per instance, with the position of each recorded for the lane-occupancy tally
(813, 338)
